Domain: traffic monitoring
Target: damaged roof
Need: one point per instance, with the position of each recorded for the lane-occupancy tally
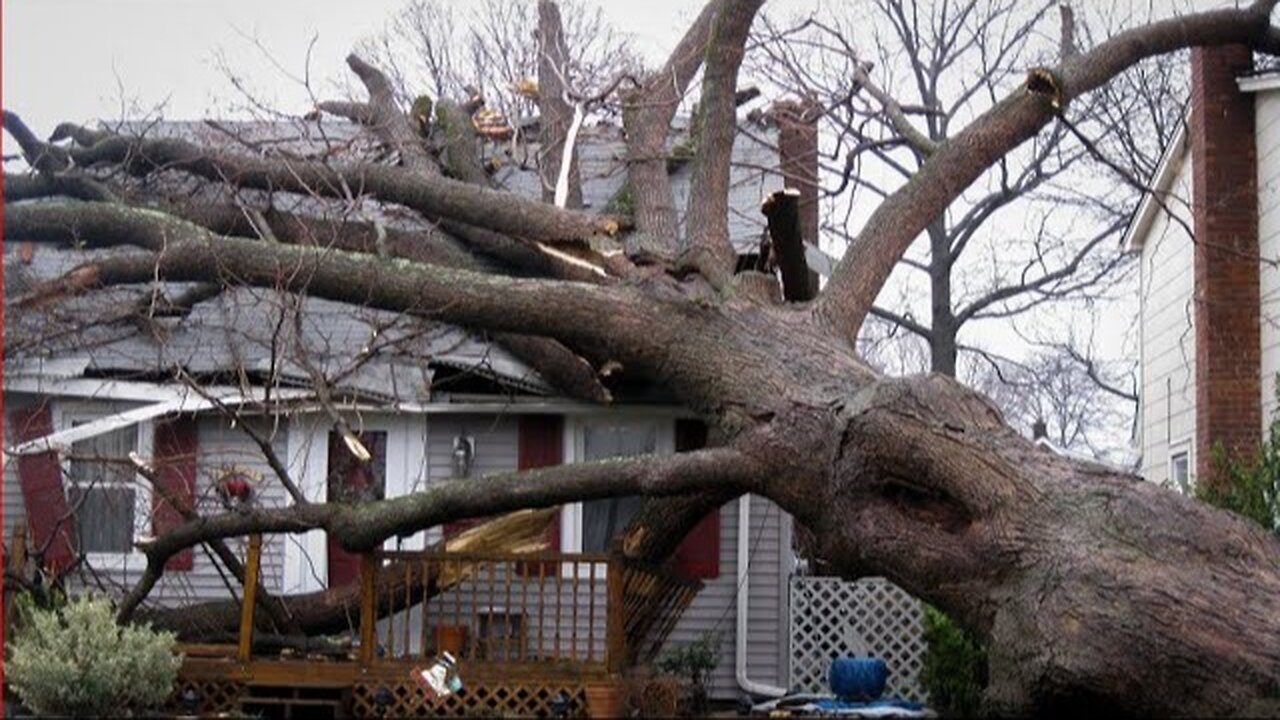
(253, 335)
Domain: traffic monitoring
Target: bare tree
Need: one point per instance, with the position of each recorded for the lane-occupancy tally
(445, 50)
(896, 80)
(1074, 401)
(1095, 589)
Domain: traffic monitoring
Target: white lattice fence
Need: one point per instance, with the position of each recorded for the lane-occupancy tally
(831, 617)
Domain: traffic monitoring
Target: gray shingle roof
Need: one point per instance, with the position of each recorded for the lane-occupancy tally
(252, 330)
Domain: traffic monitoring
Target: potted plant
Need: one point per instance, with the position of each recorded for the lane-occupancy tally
(693, 663)
(605, 700)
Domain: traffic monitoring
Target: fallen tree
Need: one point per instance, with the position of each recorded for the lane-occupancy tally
(337, 610)
(1093, 588)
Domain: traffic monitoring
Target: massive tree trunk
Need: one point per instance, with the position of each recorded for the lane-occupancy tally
(1093, 588)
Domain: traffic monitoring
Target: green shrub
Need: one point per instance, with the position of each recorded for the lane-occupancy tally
(693, 663)
(1248, 487)
(78, 661)
(955, 666)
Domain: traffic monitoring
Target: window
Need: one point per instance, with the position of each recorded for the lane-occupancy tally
(1180, 470)
(102, 491)
(591, 526)
(111, 508)
(501, 636)
(603, 519)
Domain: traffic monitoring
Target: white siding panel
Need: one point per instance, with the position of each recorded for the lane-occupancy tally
(714, 610)
(1168, 335)
(14, 508)
(1268, 124)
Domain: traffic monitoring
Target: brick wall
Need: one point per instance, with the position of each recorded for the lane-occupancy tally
(1227, 300)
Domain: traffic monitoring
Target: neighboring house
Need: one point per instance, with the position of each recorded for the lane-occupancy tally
(430, 401)
(1210, 313)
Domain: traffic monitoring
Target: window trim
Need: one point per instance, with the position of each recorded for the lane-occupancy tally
(574, 440)
(1182, 447)
(72, 412)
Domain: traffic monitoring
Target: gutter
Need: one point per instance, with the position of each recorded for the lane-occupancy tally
(749, 686)
(62, 440)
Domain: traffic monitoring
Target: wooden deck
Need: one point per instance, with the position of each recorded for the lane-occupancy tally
(532, 632)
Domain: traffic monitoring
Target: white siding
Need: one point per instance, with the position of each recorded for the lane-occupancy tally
(221, 447)
(1168, 336)
(715, 609)
(1267, 104)
(14, 509)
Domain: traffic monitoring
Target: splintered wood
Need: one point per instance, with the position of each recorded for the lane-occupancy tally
(518, 533)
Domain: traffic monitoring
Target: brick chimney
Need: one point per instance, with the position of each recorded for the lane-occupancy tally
(1227, 296)
(798, 158)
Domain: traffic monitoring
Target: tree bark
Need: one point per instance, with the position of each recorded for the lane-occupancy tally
(556, 112)
(942, 325)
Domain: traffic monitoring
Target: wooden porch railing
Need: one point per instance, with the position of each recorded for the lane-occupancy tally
(493, 608)
(595, 612)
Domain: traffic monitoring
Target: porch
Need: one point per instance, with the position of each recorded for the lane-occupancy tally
(532, 632)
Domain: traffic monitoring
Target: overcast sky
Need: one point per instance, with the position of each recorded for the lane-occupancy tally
(74, 59)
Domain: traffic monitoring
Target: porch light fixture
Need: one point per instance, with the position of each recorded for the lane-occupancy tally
(464, 452)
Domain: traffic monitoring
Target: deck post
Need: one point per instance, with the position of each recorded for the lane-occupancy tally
(616, 633)
(16, 566)
(368, 610)
(252, 562)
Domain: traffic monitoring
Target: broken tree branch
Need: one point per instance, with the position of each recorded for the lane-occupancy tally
(271, 605)
(389, 123)
(557, 114)
(435, 196)
(782, 209)
(180, 250)
(363, 526)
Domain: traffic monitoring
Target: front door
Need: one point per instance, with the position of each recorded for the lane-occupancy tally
(351, 480)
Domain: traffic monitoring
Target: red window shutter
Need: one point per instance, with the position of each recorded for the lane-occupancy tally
(541, 444)
(176, 450)
(698, 555)
(48, 516)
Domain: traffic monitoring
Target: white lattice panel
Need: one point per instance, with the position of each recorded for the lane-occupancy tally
(831, 617)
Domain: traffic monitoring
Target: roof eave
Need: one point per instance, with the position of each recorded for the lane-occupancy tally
(1135, 235)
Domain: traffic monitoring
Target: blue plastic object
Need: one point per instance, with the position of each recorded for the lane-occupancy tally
(832, 705)
(858, 678)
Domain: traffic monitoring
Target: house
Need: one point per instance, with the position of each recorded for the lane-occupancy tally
(1208, 238)
(87, 382)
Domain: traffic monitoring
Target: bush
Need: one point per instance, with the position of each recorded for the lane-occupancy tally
(1248, 487)
(78, 661)
(955, 666)
(693, 663)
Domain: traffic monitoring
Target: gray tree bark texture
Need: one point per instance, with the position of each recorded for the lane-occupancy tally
(1094, 589)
